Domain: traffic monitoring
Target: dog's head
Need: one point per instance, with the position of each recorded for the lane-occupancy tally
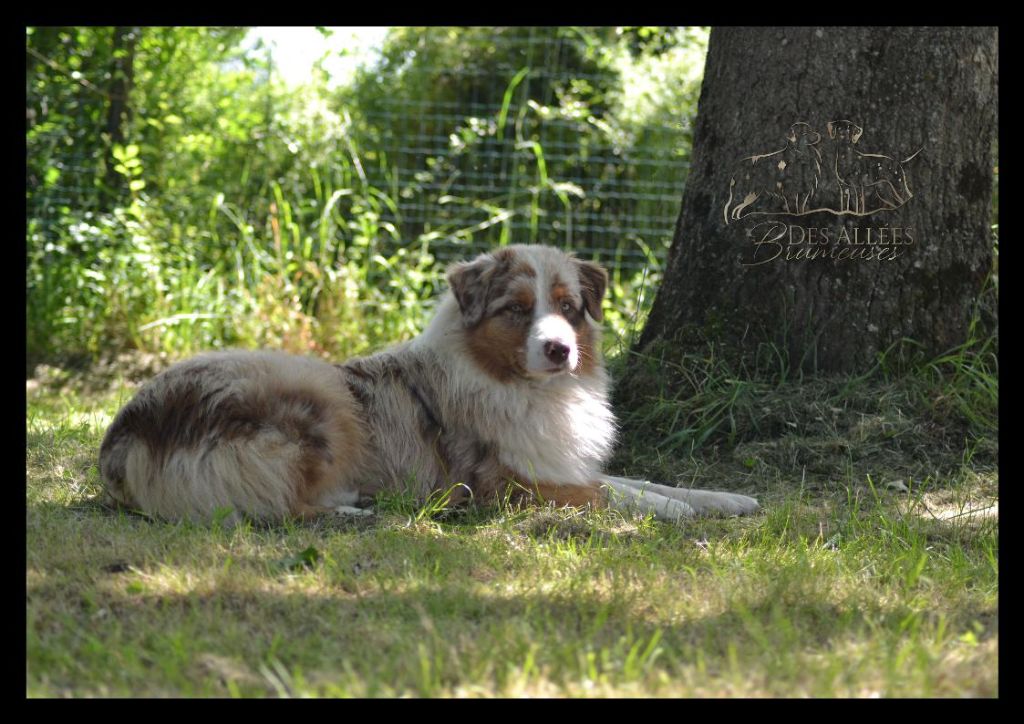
(530, 311)
(844, 131)
(801, 134)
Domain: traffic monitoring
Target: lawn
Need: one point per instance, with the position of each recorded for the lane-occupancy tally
(871, 571)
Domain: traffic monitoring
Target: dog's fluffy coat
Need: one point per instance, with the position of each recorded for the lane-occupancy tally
(505, 390)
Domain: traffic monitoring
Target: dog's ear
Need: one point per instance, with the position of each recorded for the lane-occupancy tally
(470, 283)
(855, 132)
(593, 283)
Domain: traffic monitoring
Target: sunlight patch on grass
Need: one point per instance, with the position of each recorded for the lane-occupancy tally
(847, 589)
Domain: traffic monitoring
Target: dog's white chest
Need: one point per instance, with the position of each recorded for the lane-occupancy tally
(563, 436)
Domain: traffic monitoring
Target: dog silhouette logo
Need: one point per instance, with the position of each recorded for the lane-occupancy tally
(803, 178)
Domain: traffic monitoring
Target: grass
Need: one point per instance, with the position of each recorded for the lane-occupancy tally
(873, 570)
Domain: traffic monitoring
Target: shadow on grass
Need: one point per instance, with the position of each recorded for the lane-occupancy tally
(386, 639)
(425, 613)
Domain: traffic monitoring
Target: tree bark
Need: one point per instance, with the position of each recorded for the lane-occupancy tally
(839, 198)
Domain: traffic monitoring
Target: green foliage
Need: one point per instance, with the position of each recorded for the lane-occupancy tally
(240, 212)
(603, 137)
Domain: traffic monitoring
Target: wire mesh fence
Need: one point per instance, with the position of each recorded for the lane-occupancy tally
(516, 158)
(615, 205)
(497, 152)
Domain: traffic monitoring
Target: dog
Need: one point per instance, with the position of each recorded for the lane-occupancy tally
(787, 177)
(866, 177)
(504, 394)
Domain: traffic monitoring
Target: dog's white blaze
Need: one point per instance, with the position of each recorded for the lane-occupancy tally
(548, 323)
(550, 327)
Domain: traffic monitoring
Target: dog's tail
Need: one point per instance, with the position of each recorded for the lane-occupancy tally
(910, 158)
(239, 476)
(260, 434)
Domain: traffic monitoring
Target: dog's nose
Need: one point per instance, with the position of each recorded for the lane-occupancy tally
(556, 352)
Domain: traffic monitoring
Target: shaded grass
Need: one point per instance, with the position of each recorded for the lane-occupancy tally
(692, 412)
(847, 589)
(907, 420)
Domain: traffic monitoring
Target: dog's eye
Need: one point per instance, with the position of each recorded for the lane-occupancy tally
(566, 307)
(515, 309)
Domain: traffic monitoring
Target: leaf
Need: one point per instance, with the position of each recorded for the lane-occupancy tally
(969, 638)
(306, 559)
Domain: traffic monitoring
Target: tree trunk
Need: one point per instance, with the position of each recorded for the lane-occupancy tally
(839, 194)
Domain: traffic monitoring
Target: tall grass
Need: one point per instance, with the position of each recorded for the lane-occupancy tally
(690, 401)
(327, 274)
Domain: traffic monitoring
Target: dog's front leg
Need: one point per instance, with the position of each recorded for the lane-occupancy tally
(700, 502)
(339, 501)
(623, 496)
(608, 494)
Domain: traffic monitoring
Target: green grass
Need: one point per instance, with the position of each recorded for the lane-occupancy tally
(843, 586)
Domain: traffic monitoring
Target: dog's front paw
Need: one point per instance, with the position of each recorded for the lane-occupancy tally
(352, 511)
(725, 503)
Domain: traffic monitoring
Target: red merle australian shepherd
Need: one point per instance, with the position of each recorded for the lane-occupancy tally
(506, 387)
